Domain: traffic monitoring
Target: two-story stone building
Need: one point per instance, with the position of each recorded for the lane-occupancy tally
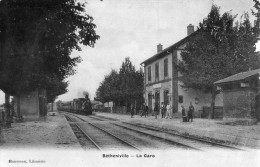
(161, 79)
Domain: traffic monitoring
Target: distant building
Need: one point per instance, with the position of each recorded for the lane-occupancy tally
(97, 105)
(241, 96)
(108, 106)
(161, 79)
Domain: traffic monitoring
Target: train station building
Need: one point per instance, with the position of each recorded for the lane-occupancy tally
(161, 82)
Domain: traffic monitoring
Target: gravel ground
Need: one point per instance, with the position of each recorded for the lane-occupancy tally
(55, 132)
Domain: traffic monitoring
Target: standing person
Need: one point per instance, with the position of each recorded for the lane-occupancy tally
(146, 109)
(163, 110)
(184, 117)
(168, 111)
(142, 109)
(156, 109)
(132, 110)
(190, 112)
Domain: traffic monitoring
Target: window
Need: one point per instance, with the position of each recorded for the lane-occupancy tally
(165, 67)
(157, 72)
(180, 99)
(149, 73)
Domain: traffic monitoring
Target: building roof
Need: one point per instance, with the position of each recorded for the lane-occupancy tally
(239, 76)
(168, 49)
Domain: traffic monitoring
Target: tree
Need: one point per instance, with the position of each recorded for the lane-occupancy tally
(109, 88)
(36, 40)
(56, 88)
(257, 15)
(131, 83)
(218, 49)
(123, 87)
(127, 81)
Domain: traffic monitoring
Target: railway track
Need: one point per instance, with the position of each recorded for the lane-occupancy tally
(100, 137)
(160, 137)
(210, 142)
(164, 141)
(199, 142)
(173, 139)
(84, 139)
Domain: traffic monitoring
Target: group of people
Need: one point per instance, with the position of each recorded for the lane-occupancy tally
(165, 111)
(187, 116)
(144, 108)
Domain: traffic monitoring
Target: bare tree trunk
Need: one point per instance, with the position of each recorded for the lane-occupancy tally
(135, 108)
(19, 115)
(52, 107)
(7, 110)
(126, 104)
(212, 107)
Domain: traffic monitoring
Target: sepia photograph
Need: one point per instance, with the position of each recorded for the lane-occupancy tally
(129, 83)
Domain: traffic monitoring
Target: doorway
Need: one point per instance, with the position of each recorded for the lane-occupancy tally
(150, 98)
(157, 97)
(166, 97)
(257, 106)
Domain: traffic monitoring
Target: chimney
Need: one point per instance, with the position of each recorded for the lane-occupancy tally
(159, 48)
(190, 29)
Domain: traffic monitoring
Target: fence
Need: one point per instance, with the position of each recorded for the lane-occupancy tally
(107, 109)
(2, 116)
(217, 115)
(123, 110)
(120, 109)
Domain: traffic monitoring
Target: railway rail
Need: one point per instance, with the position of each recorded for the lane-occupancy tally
(157, 137)
(219, 145)
(187, 137)
(170, 137)
(83, 140)
(101, 138)
(170, 143)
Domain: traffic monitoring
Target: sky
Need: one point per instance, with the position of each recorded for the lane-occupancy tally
(133, 28)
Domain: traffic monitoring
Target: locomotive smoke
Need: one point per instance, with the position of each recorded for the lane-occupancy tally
(82, 93)
(85, 93)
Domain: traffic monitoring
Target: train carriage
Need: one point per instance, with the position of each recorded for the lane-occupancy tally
(79, 105)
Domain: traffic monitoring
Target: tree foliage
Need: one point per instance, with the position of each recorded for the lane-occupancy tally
(37, 38)
(218, 49)
(122, 87)
(257, 15)
(56, 88)
(108, 88)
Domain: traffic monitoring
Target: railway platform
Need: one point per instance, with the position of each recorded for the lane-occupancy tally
(245, 136)
(54, 133)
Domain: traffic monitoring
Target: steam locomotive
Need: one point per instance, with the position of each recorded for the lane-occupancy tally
(79, 105)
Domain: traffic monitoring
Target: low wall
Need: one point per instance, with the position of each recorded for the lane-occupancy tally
(107, 109)
(206, 110)
(120, 109)
(2, 116)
